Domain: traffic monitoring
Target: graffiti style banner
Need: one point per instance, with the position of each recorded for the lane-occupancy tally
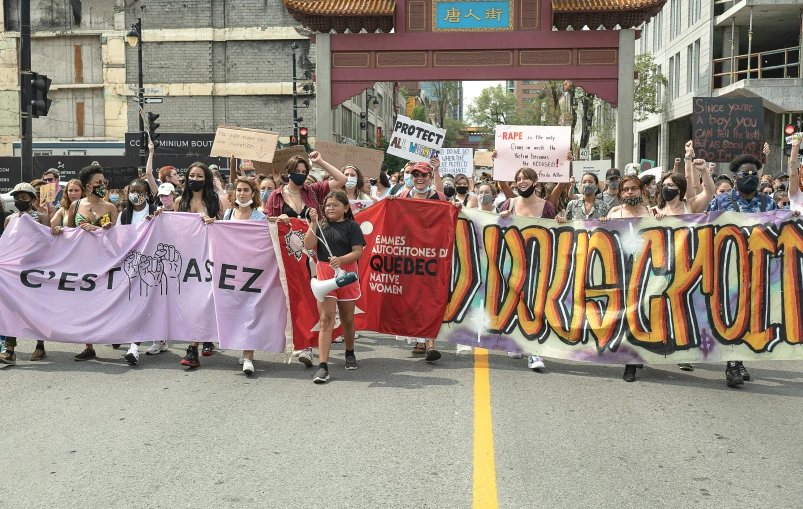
(405, 266)
(695, 288)
(171, 278)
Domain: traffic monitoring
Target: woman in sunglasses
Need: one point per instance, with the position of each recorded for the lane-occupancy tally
(295, 197)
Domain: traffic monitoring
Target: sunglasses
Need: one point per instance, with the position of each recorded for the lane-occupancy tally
(743, 174)
(51, 180)
(417, 174)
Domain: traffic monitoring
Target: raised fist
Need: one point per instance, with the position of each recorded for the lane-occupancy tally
(171, 259)
(151, 271)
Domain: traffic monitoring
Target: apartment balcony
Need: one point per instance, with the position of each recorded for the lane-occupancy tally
(773, 64)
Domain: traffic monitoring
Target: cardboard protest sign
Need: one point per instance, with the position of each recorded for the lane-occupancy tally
(542, 148)
(598, 168)
(456, 160)
(727, 127)
(244, 143)
(483, 158)
(280, 158)
(47, 194)
(415, 141)
(368, 160)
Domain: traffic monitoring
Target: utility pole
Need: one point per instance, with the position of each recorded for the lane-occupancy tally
(294, 46)
(26, 141)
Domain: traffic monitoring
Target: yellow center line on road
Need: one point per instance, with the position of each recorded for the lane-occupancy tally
(485, 495)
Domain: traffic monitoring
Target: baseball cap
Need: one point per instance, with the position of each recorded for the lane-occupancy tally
(23, 187)
(165, 189)
(781, 175)
(423, 167)
(613, 172)
(213, 167)
(247, 165)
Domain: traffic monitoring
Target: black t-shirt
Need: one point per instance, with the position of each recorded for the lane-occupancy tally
(340, 236)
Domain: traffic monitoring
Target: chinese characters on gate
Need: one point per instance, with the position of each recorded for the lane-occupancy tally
(472, 15)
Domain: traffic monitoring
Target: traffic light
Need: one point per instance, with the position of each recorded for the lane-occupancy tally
(378, 136)
(40, 104)
(363, 119)
(293, 140)
(153, 126)
(302, 135)
(789, 130)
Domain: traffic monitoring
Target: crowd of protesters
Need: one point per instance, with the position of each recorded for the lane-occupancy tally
(325, 199)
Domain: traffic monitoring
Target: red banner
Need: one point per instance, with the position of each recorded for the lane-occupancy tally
(405, 266)
(300, 268)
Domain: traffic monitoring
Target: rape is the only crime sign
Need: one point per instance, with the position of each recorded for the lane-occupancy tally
(415, 141)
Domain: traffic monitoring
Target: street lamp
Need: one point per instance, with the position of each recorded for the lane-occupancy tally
(134, 38)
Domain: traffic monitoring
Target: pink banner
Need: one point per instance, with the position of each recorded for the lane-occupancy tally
(172, 278)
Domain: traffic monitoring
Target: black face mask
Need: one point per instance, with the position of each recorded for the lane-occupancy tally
(298, 178)
(462, 189)
(196, 185)
(747, 185)
(670, 194)
(448, 191)
(22, 205)
(526, 193)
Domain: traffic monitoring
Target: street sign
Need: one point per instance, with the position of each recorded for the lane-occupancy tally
(585, 155)
(148, 90)
(153, 100)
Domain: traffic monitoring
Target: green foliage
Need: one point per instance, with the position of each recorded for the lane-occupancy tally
(404, 93)
(420, 114)
(646, 101)
(454, 132)
(494, 106)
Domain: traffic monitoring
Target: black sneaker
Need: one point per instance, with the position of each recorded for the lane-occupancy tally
(322, 375)
(733, 376)
(432, 355)
(207, 351)
(686, 367)
(191, 359)
(743, 371)
(630, 373)
(8, 358)
(351, 362)
(87, 354)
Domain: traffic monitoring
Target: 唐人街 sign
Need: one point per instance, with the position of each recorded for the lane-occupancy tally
(726, 127)
(707, 288)
(415, 141)
(243, 143)
(472, 15)
(456, 160)
(542, 148)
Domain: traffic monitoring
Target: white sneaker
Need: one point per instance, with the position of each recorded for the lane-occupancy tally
(248, 366)
(464, 349)
(132, 357)
(305, 357)
(241, 361)
(156, 348)
(535, 362)
(514, 355)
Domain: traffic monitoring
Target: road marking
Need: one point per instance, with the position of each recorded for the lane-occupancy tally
(485, 495)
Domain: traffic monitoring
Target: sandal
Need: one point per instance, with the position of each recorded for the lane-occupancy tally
(432, 355)
(420, 349)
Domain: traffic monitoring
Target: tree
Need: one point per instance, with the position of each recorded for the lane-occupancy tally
(454, 132)
(646, 99)
(494, 106)
(445, 99)
(419, 113)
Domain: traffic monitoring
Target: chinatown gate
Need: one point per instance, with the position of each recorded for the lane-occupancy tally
(456, 40)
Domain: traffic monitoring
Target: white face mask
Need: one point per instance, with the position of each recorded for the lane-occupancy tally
(249, 202)
(351, 183)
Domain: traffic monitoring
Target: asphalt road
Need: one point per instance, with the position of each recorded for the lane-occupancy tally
(396, 433)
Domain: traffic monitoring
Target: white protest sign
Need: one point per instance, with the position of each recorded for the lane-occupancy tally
(456, 160)
(415, 141)
(598, 168)
(656, 172)
(543, 148)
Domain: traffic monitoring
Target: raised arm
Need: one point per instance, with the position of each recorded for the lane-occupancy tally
(689, 171)
(436, 174)
(700, 202)
(149, 169)
(794, 168)
(338, 176)
(310, 240)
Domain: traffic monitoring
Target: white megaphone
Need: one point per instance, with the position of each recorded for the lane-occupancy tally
(321, 288)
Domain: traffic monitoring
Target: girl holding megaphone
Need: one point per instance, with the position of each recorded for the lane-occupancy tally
(341, 247)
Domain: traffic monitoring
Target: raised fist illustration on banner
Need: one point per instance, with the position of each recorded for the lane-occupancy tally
(151, 273)
(170, 258)
(131, 268)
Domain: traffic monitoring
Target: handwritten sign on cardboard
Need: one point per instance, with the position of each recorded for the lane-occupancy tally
(280, 158)
(727, 127)
(598, 168)
(483, 158)
(542, 148)
(47, 194)
(243, 143)
(368, 160)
